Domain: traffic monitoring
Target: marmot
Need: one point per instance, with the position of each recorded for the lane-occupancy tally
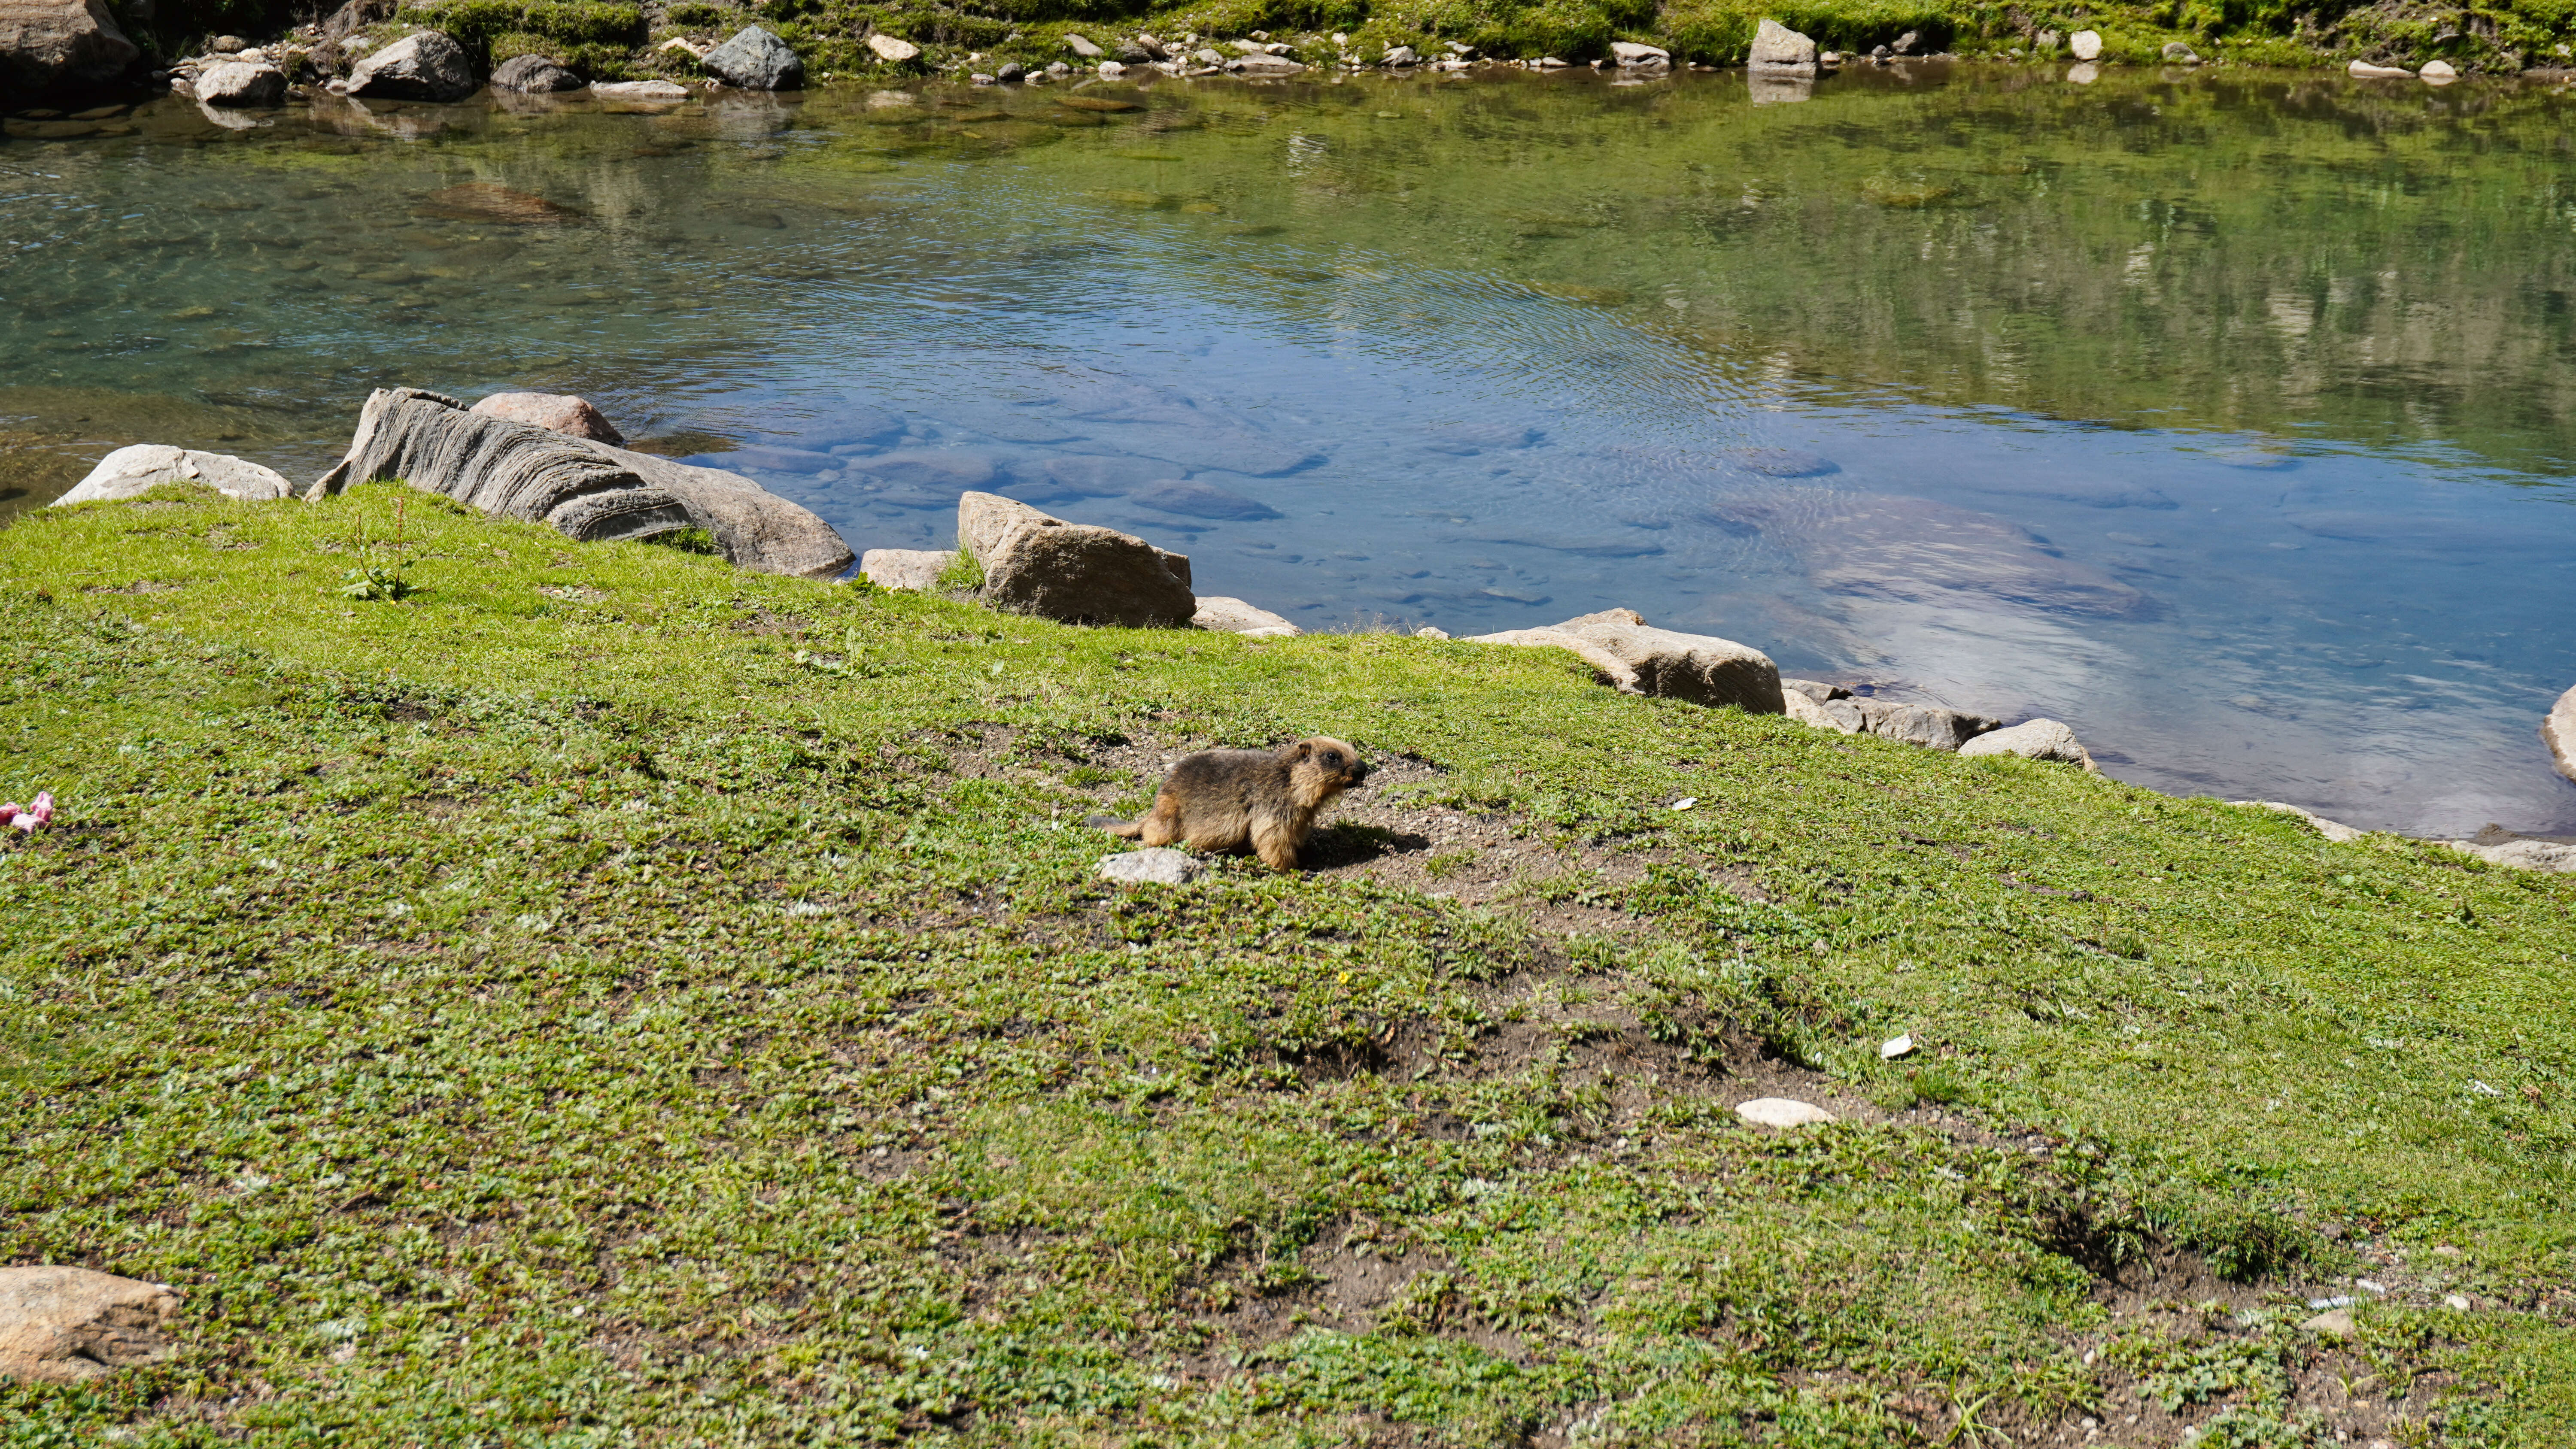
(1225, 799)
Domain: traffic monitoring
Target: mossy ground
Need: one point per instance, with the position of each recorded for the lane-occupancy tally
(603, 997)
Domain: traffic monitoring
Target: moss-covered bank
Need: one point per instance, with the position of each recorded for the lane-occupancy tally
(605, 998)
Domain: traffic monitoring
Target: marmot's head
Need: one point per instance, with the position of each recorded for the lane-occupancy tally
(1321, 767)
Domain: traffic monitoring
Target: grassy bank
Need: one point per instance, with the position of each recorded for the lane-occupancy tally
(606, 998)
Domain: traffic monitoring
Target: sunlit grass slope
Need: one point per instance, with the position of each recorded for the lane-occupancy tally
(607, 998)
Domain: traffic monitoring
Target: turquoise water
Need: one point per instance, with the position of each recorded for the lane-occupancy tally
(2223, 416)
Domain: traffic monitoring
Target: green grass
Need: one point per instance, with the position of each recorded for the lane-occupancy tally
(603, 997)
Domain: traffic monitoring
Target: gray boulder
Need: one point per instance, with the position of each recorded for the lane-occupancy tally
(2085, 44)
(130, 472)
(1081, 46)
(1234, 616)
(77, 1325)
(1815, 689)
(48, 43)
(586, 490)
(905, 568)
(1035, 563)
(2556, 857)
(423, 67)
(1780, 51)
(1159, 865)
(756, 60)
(2331, 830)
(555, 412)
(1632, 658)
(534, 74)
(2038, 739)
(234, 83)
(1932, 726)
(2559, 730)
(1701, 668)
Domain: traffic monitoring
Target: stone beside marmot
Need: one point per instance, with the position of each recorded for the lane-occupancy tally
(1227, 799)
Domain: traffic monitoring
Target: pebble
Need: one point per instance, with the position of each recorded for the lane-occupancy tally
(2438, 72)
(1894, 1047)
(1158, 866)
(2086, 44)
(1686, 802)
(1781, 1112)
(2455, 1303)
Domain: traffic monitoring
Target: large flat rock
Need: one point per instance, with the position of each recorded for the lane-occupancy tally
(586, 490)
(77, 1325)
(49, 43)
(131, 472)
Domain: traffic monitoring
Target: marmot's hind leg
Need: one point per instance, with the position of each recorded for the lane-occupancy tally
(1162, 824)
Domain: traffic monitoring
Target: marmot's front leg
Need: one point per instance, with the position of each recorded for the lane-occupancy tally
(1276, 841)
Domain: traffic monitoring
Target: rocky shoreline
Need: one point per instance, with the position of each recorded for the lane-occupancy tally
(69, 52)
(543, 458)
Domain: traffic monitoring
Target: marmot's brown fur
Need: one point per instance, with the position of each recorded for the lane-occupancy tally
(1226, 799)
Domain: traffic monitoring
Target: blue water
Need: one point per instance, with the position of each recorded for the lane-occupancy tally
(1479, 357)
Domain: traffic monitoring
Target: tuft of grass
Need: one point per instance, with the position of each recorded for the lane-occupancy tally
(680, 1003)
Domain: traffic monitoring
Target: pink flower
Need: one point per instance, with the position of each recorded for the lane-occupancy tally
(32, 817)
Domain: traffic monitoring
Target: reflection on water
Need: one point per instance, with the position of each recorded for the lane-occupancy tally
(2221, 416)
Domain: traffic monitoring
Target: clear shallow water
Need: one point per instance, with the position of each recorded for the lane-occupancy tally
(2226, 419)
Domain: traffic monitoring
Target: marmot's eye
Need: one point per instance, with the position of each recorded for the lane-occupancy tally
(1332, 757)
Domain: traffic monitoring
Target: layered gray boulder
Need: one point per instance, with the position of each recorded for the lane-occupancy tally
(236, 83)
(756, 60)
(2038, 739)
(555, 412)
(905, 568)
(1932, 726)
(1780, 51)
(1035, 563)
(49, 43)
(78, 1325)
(1636, 658)
(130, 472)
(2556, 857)
(2559, 730)
(423, 67)
(585, 490)
(534, 74)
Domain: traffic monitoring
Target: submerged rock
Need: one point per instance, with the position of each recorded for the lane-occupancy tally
(1234, 616)
(76, 1325)
(585, 490)
(534, 74)
(48, 43)
(1916, 551)
(651, 90)
(1035, 563)
(1779, 51)
(2038, 739)
(756, 60)
(905, 568)
(130, 472)
(423, 67)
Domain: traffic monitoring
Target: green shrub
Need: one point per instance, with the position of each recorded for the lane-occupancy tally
(582, 33)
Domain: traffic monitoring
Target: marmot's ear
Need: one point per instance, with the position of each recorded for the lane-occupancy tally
(1301, 750)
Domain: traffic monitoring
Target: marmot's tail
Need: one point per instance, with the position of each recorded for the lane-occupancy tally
(1123, 829)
